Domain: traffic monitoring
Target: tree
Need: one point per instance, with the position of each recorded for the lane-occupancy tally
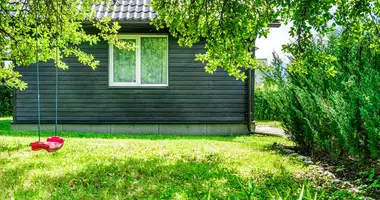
(229, 27)
(58, 24)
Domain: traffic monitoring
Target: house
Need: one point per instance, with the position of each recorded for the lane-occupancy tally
(158, 89)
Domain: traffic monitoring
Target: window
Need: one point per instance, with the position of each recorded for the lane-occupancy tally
(146, 66)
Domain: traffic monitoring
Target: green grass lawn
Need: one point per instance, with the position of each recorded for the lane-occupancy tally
(105, 166)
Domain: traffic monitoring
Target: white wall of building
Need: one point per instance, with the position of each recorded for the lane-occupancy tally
(274, 41)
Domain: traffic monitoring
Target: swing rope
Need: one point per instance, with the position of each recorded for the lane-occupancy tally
(56, 77)
(38, 79)
(54, 143)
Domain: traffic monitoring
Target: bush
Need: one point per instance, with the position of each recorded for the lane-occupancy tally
(333, 108)
(275, 77)
(5, 101)
(263, 111)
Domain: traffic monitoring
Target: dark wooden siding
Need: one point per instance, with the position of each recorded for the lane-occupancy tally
(193, 96)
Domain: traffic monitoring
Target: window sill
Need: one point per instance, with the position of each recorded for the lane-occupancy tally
(138, 87)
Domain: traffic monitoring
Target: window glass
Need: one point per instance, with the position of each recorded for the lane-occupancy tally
(154, 60)
(124, 64)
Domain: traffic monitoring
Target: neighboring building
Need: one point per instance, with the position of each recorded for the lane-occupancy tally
(158, 89)
(259, 75)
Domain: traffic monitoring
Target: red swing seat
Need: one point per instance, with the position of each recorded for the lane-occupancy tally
(52, 144)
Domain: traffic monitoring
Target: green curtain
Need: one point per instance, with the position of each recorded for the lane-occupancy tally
(154, 60)
(124, 69)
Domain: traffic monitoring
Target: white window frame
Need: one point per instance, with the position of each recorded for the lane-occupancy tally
(138, 63)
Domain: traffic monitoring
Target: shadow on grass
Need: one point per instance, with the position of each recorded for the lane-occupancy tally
(134, 178)
(14, 177)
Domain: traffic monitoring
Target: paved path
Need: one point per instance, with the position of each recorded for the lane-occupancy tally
(267, 130)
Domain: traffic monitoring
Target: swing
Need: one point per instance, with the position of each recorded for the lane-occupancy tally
(53, 143)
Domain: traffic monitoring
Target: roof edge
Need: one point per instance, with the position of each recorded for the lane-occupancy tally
(275, 24)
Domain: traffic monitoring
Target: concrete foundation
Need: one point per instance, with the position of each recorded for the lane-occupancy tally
(160, 129)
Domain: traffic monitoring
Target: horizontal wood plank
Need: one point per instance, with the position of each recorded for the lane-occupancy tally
(84, 95)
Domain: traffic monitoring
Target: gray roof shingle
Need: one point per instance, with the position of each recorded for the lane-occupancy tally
(120, 10)
(130, 10)
(126, 10)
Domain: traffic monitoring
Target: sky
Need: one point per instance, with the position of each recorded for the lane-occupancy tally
(275, 39)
